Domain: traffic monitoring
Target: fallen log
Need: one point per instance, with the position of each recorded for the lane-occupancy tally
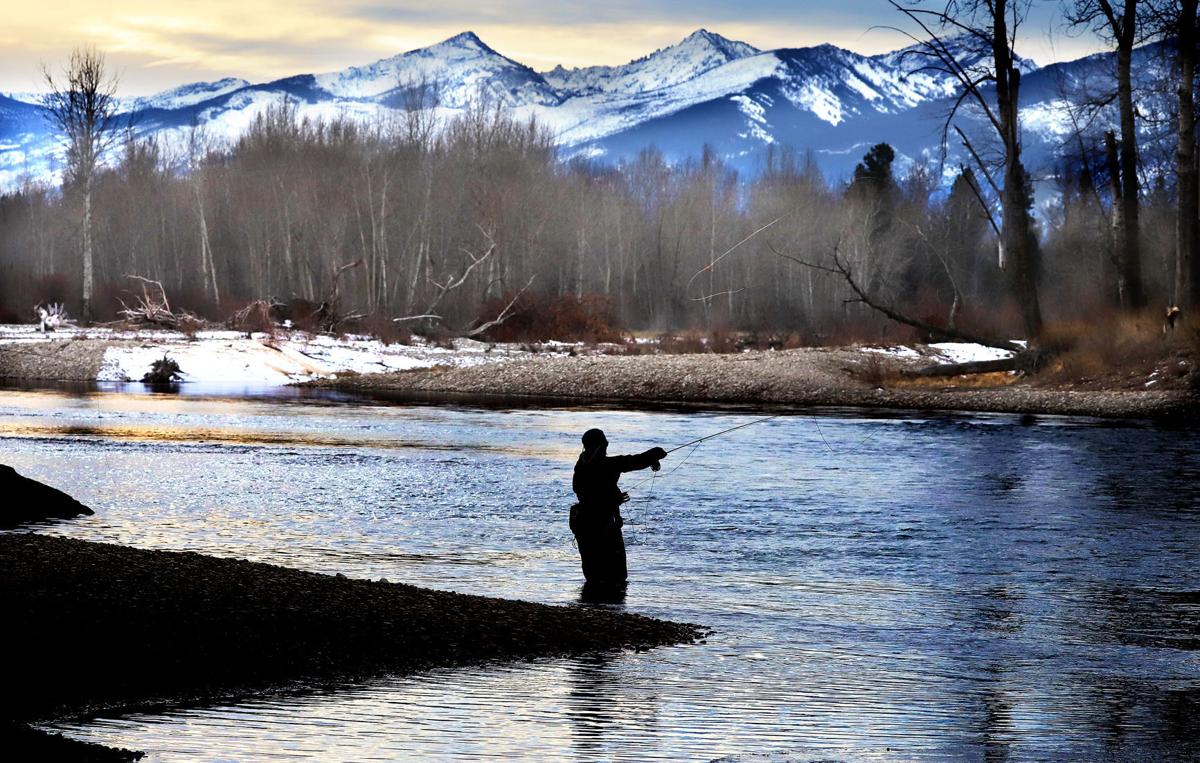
(1029, 361)
(961, 369)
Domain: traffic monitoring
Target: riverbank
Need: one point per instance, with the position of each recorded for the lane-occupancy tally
(802, 377)
(91, 627)
(639, 373)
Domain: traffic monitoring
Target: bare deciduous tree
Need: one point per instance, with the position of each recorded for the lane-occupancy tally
(1120, 24)
(1177, 21)
(990, 27)
(82, 106)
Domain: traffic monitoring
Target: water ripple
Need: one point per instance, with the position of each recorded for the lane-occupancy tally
(948, 587)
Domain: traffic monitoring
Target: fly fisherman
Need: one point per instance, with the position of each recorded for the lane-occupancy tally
(596, 519)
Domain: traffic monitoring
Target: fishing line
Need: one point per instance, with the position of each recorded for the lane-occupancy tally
(655, 475)
(696, 444)
(857, 446)
(822, 433)
(699, 440)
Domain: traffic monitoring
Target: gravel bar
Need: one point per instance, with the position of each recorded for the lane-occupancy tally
(803, 377)
(58, 360)
(91, 627)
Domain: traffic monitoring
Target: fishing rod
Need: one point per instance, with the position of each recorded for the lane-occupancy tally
(696, 444)
(699, 440)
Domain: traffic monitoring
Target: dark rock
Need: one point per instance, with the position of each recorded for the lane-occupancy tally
(27, 500)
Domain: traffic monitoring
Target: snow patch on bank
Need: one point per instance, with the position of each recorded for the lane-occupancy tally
(262, 359)
(967, 352)
(943, 352)
(898, 351)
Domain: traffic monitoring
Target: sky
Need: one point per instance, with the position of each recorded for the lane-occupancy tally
(155, 44)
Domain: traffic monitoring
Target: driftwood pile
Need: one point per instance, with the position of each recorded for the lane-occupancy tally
(51, 316)
(155, 309)
(163, 372)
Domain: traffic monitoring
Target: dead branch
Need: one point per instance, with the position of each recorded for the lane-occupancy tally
(504, 315)
(150, 309)
(987, 174)
(957, 304)
(974, 184)
(427, 316)
(450, 284)
(329, 313)
(52, 316)
(842, 269)
(255, 316)
(146, 282)
(727, 292)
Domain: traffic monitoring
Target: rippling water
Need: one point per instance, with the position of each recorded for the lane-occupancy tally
(880, 587)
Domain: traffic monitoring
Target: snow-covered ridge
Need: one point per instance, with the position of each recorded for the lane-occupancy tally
(460, 70)
(696, 54)
(187, 95)
(589, 117)
(704, 90)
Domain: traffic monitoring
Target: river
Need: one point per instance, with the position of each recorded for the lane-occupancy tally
(880, 586)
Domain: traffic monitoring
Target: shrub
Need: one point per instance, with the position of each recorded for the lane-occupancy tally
(384, 329)
(875, 370)
(255, 316)
(567, 318)
(692, 342)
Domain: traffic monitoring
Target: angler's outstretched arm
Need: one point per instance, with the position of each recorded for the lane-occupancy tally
(639, 461)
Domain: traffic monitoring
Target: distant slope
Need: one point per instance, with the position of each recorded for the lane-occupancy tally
(704, 90)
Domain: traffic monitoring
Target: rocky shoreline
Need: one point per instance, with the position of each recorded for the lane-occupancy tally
(75, 360)
(568, 374)
(102, 627)
(809, 377)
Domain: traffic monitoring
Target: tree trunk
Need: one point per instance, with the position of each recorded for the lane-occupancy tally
(1020, 245)
(88, 275)
(208, 269)
(1117, 235)
(1129, 265)
(960, 369)
(1186, 282)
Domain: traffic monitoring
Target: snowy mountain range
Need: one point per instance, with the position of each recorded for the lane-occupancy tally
(704, 90)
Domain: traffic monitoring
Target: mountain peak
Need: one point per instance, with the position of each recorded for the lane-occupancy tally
(699, 52)
(467, 39)
(730, 48)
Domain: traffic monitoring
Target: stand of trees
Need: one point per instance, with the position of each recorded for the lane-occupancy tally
(412, 218)
(446, 219)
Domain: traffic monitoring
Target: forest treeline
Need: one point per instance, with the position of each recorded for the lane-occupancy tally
(445, 224)
(448, 219)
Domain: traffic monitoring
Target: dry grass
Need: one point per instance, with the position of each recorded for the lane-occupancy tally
(1117, 349)
(968, 381)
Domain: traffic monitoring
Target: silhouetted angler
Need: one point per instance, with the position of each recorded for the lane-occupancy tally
(596, 519)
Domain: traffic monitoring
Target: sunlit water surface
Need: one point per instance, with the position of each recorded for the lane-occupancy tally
(880, 587)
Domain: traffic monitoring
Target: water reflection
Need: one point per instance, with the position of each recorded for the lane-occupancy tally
(880, 587)
(602, 705)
